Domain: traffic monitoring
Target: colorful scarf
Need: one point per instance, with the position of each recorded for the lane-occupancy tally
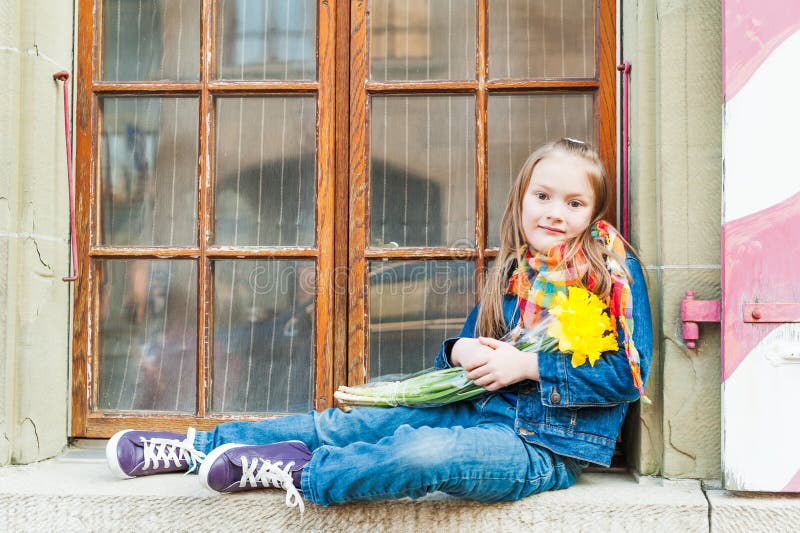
(541, 276)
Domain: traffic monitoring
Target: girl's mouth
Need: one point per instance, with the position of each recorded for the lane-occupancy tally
(552, 230)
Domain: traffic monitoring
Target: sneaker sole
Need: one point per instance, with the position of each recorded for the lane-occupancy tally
(111, 455)
(214, 454)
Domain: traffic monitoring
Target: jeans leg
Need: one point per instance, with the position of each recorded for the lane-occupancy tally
(334, 427)
(488, 462)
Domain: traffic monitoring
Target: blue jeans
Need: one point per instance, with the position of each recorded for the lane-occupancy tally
(467, 449)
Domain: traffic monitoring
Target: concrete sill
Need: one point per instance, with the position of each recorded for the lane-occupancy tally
(76, 492)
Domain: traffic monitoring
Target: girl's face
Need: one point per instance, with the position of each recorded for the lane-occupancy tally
(558, 203)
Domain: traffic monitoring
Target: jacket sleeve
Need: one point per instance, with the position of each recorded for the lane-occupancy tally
(609, 381)
(443, 357)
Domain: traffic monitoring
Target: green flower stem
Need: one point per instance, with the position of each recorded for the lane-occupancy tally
(437, 387)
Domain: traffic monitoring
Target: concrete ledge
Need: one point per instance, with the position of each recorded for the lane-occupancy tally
(75, 494)
(753, 512)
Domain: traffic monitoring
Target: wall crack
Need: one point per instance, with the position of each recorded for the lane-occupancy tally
(39, 253)
(35, 432)
(708, 504)
(685, 352)
(33, 52)
(672, 444)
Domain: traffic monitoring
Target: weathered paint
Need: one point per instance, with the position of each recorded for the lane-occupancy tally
(760, 139)
(761, 246)
(761, 375)
(753, 29)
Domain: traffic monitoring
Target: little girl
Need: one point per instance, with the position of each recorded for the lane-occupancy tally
(542, 421)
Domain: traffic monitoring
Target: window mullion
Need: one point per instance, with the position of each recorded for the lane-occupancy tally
(358, 189)
(204, 289)
(341, 178)
(481, 149)
(325, 230)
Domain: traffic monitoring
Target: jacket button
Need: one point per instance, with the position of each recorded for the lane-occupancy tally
(555, 397)
(524, 431)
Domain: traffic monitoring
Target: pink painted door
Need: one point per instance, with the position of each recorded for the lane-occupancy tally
(761, 247)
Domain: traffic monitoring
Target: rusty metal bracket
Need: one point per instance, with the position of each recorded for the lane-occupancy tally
(694, 311)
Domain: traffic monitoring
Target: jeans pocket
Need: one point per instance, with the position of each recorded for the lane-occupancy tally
(483, 400)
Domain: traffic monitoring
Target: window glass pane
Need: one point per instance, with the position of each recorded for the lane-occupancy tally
(422, 40)
(264, 336)
(267, 39)
(519, 124)
(148, 171)
(266, 170)
(413, 307)
(542, 39)
(149, 40)
(148, 335)
(422, 171)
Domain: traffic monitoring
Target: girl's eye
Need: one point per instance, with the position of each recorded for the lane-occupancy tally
(575, 204)
(540, 195)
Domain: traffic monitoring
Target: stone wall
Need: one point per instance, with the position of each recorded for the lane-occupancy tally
(676, 196)
(35, 42)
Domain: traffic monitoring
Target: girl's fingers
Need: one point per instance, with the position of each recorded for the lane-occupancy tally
(488, 341)
(478, 372)
(484, 381)
(472, 364)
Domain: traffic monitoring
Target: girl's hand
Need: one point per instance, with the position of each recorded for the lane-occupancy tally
(503, 366)
(470, 354)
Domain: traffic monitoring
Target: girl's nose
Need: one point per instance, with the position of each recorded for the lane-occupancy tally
(554, 213)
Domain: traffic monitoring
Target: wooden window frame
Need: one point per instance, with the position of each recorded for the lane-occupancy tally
(87, 420)
(342, 144)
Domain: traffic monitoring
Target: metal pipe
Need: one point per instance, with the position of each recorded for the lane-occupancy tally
(625, 68)
(63, 76)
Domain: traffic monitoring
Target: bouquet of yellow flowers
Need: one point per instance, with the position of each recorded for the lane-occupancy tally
(578, 323)
(582, 326)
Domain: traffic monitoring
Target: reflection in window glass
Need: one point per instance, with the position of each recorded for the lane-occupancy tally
(542, 39)
(150, 40)
(264, 336)
(265, 171)
(148, 171)
(422, 171)
(422, 40)
(267, 39)
(413, 307)
(148, 335)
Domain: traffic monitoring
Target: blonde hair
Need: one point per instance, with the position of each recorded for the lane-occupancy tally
(491, 322)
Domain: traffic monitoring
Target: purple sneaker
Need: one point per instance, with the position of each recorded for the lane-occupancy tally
(132, 453)
(237, 467)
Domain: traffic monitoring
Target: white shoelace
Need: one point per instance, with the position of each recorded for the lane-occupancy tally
(166, 450)
(271, 474)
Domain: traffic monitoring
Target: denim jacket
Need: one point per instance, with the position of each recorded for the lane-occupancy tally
(576, 412)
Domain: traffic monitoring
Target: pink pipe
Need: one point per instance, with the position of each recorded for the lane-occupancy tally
(63, 76)
(625, 68)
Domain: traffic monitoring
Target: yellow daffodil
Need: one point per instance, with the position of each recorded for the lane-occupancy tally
(582, 326)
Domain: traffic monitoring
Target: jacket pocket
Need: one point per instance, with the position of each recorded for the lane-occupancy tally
(601, 422)
(563, 417)
(530, 410)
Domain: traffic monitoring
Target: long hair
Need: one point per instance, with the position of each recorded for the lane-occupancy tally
(491, 322)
